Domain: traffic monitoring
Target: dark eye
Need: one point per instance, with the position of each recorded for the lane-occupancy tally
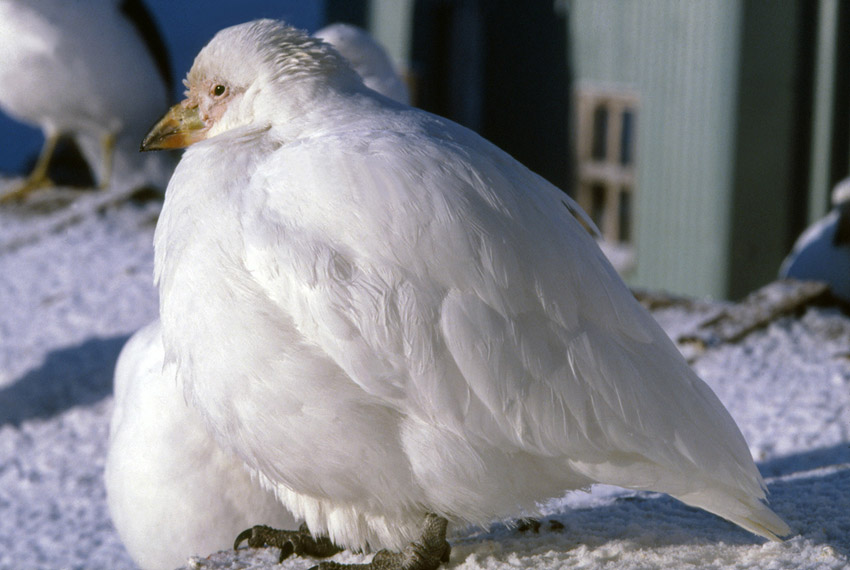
(219, 90)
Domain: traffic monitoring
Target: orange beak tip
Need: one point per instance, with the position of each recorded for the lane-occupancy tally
(180, 127)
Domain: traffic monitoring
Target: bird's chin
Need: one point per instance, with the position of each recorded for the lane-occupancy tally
(180, 127)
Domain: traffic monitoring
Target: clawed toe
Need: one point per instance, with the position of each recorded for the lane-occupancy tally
(427, 554)
(299, 542)
(528, 524)
(534, 525)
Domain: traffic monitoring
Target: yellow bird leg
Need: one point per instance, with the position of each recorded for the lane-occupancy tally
(107, 145)
(38, 178)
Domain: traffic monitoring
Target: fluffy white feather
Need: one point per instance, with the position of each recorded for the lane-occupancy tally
(368, 58)
(385, 315)
(172, 491)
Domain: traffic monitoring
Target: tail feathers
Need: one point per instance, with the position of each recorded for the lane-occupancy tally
(745, 511)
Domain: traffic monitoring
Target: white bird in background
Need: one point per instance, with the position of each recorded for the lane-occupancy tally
(82, 69)
(822, 252)
(172, 491)
(396, 325)
(368, 58)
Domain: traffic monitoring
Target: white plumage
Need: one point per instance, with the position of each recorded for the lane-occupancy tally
(80, 68)
(172, 491)
(822, 252)
(368, 58)
(384, 315)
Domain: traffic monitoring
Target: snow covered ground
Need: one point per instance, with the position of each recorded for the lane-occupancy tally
(76, 282)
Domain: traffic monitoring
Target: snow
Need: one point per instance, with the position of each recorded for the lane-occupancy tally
(74, 285)
(76, 282)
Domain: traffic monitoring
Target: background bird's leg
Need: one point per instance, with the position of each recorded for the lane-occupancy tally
(299, 542)
(427, 554)
(38, 178)
(107, 146)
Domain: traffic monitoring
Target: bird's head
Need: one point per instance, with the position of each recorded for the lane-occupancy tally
(260, 73)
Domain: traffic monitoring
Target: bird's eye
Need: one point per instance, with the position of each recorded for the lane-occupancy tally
(219, 90)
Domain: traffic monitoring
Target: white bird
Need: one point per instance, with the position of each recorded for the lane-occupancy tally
(172, 491)
(81, 69)
(395, 324)
(368, 58)
(822, 252)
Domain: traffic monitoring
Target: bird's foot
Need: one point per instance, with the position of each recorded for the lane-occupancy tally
(299, 542)
(29, 185)
(528, 524)
(38, 178)
(427, 554)
(534, 525)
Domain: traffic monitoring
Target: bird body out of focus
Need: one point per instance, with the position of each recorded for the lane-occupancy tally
(368, 58)
(172, 491)
(386, 316)
(80, 68)
(822, 252)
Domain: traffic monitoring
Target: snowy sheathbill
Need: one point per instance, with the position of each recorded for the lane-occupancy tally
(395, 324)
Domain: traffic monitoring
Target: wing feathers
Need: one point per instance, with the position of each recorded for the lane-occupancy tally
(466, 293)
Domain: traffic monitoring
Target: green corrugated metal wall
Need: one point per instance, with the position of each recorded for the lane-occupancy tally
(681, 59)
(716, 128)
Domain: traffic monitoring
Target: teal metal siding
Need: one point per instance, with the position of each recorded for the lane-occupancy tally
(681, 59)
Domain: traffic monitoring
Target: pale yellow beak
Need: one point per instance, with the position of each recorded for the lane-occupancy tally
(180, 127)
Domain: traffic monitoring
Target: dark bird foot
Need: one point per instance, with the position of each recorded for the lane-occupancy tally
(534, 525)
(427, 554)
(299, 542)
(528, 524)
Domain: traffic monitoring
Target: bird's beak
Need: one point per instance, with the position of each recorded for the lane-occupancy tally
(180, 127)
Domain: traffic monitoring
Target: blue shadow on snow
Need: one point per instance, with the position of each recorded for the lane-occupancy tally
(74, 376)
